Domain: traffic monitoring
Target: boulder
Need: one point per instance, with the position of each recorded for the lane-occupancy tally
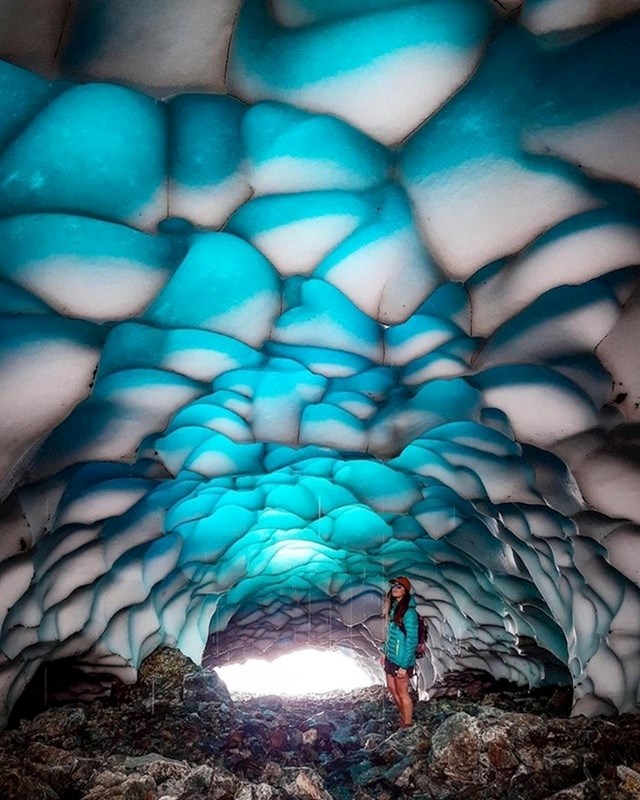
(202, 687)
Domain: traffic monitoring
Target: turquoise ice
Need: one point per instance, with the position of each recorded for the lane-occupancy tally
(348, 294)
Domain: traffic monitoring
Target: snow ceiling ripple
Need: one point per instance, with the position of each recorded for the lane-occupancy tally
(302, 295)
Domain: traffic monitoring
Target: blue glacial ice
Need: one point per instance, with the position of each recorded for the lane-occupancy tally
(300, 296)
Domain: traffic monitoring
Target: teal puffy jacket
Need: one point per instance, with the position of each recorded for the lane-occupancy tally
(399, 647)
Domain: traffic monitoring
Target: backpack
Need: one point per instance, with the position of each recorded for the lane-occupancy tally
(423, 634)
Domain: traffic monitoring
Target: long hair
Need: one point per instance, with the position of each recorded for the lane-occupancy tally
(399, 609)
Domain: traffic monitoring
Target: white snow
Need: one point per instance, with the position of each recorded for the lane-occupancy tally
(605, 146)
(489, 208)
(47, 377)
(97, 289)
(297, 248)
(542, 414)
(557, 15)
(575, 258)
(208, 206)
(391, 97)
(388, 278)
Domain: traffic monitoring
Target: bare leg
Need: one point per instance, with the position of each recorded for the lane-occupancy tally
(391, 686)
(404, 701)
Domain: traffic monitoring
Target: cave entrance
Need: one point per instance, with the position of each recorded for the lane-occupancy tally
(298, 673)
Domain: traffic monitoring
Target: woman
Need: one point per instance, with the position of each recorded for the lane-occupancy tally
(400, 644)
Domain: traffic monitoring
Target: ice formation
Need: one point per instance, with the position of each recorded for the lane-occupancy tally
(349, 294)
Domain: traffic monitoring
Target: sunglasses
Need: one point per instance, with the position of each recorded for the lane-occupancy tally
(397, 586)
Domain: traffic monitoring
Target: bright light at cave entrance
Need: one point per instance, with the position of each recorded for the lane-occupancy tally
(299, 673)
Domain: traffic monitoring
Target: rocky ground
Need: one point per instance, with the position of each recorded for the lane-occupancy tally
(178, 736)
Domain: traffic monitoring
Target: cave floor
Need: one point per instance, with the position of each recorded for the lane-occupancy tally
(510, 744)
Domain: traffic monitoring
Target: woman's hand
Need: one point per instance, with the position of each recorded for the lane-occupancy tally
(401, 673)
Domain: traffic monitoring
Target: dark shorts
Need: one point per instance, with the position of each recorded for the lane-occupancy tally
(391, 669)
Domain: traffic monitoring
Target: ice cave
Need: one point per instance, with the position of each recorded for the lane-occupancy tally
(300, 295)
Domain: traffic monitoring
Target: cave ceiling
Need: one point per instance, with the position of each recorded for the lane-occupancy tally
(299, 296)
